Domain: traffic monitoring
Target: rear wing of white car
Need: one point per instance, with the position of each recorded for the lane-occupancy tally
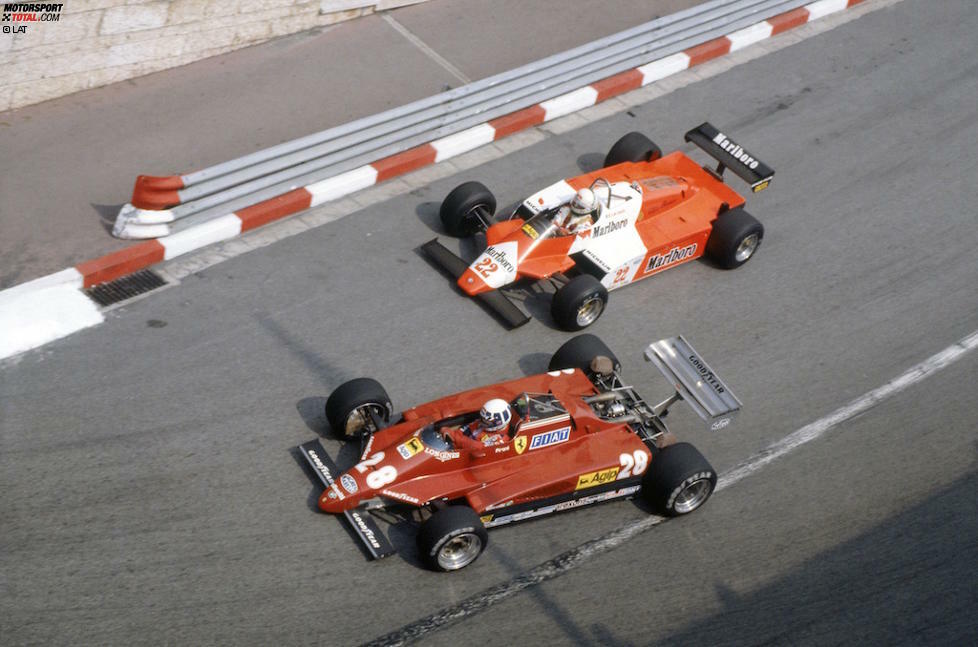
(731, 155)
(695, 382)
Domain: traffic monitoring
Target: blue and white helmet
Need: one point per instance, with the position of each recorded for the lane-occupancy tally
(496, 414)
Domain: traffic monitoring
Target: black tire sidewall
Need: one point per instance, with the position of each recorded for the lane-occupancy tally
(459, 202)
(729, 229)
(578, 352)
(445, 525)
(351, 395)
(570, 297)
(632, 147)
(671, 471)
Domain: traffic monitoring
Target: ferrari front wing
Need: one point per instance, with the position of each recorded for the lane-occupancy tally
(359, 519)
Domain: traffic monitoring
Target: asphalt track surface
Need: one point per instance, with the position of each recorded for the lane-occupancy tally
(151, 494)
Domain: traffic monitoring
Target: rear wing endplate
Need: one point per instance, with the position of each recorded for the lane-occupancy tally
(731, 155)
(359, 519)
(695, 381)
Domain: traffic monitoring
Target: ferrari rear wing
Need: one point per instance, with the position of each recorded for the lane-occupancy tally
(731, 155)
(359, 519)
(694, 380)
(496, 302)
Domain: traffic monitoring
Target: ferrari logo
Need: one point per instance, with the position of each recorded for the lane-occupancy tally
(519, 444)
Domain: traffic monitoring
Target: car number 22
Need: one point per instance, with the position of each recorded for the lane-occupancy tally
(485, 267)
(633, 464)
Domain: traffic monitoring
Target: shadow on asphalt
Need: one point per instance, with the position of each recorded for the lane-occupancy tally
(107, 214)
(590, 162)
(427, 213)
(329, 374)
(909, 581)
(534, 363)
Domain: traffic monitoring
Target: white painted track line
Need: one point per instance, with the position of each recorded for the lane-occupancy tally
(576, 556)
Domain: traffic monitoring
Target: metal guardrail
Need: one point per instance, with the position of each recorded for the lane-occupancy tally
(248, 180)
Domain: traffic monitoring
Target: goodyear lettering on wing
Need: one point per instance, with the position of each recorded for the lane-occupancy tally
(548, 438)
(365, 529)
(600, 477)
(706, 375)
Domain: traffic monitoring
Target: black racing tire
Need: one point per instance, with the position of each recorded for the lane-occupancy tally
(457, 209)
(579, 303)
(633, 147)
(347, 406)
(735, 238)
(452, 538)
(679, 480)
(578, 352)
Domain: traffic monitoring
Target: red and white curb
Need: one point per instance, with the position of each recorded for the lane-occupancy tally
(23, 304)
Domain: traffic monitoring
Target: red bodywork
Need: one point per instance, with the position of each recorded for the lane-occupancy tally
(397, 465)
(680, 202)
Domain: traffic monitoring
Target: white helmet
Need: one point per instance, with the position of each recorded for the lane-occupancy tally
(496, 414)
(584, 202)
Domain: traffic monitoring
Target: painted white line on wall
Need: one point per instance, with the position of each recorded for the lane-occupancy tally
(463, 142)
(568, 103)
(49, 311)
(423, 46)
(200, 235)
(577, 556)
(749, 35)
(342, 184)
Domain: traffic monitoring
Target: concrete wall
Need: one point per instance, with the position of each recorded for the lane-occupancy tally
(97, 42)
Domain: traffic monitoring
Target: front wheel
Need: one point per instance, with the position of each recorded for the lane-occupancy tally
(467, 209)
(349, 406)
(735, 238)
(579, 352)
(632, 147)
(679, 480)
(579, 303)
(452, 538)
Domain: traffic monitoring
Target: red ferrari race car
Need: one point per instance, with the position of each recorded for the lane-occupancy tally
(570, 437)
(639, 215)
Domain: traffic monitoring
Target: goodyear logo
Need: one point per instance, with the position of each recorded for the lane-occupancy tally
(596, 478)
(409, 448)
(549, 438)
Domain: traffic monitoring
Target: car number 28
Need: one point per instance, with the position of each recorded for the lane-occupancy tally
(633, 464)
(379, 477)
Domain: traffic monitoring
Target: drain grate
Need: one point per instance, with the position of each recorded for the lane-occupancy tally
(127, 287)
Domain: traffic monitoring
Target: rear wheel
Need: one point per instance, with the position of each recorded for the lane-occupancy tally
(633, 147)
(349, 406)
(452, 538)
(735, 238)
(679, 480)
(579, 351)
(579, 303)
(467, 209)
